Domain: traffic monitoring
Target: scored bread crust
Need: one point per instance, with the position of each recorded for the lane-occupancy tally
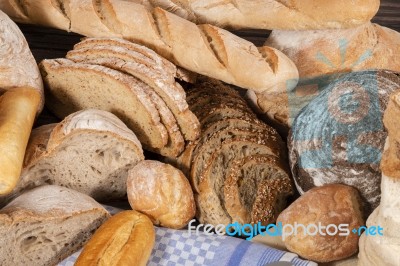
(204, 49)
(48, 143)
(149, 130)
(271, 191)
(64, 216)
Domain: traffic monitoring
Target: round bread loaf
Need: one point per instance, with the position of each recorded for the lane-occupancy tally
(161, 192)
(331, 209)
(339, 136)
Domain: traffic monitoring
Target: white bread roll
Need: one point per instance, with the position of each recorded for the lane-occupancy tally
(204, 49)
(161, 192)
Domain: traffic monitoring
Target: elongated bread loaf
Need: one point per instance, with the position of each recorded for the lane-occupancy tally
(17, 113)
(127, 238)
(276, 14)
(90, 151)
(204, 49)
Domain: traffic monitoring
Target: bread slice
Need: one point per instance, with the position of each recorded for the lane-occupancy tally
(47, 224)
(145, 65)
(90, 151)
(75, 86)
(255, 189)
(210, 199)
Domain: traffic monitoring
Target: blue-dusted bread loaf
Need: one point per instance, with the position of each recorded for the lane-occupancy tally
(339, 136)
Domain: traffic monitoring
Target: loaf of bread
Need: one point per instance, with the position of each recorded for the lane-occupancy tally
(321, 56)
(127, 238)
(339, 136)
(90, 151)
(230, 134)
(18, 68)
(47, 224)
(18, 107)
(333, 208)
(203, 49)
(161, 192)
(384, 249)
(155, 109)
(260, 14)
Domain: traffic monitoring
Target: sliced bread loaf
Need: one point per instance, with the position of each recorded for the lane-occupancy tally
(151, 71)
(90, 151)
(255, 189)
(210, 200)
(47, 224)
(74, 86)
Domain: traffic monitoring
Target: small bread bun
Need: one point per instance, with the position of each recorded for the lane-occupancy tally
(127, 238)
(162, 192)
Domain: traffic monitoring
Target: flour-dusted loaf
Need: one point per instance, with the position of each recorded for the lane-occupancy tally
(161, 192)
(74, 86)
(47, 224)
(204, 49)
(321, 56)
(230, 131)
(339, 136)
(18, 68)
(384, 248)
(330, 208)
(90, 151)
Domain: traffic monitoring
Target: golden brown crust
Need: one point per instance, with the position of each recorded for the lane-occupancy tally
(127, 238)
(331, 204)
(17, 113)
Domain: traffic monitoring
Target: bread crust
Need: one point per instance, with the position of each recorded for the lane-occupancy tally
(127, 238)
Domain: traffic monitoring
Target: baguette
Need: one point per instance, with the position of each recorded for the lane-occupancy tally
(127, 238)
(203, 49)
(17, 113)
(267, 14)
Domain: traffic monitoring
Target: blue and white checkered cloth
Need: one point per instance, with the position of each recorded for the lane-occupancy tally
(177, 247)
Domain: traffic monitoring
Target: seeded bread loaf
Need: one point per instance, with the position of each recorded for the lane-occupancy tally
(230, 131)
(90, 151)
(70, 88)
(145, 65)
(47, 224)
(204, 49)
(339, 137)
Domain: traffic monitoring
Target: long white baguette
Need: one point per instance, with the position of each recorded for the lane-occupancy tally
(204, 49)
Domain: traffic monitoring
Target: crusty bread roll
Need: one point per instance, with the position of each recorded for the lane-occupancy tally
(162, 192)
(127, 238)
(17, 113)
(90, 151)
(46, 225)
(324, 206)
(203, 49)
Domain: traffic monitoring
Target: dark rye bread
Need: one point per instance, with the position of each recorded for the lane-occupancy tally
(210, 198)
(339, 139)
(255, 189)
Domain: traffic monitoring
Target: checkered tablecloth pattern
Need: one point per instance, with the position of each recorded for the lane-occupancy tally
(179, 248)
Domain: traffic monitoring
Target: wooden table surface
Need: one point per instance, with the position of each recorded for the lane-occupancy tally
(52, 43)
